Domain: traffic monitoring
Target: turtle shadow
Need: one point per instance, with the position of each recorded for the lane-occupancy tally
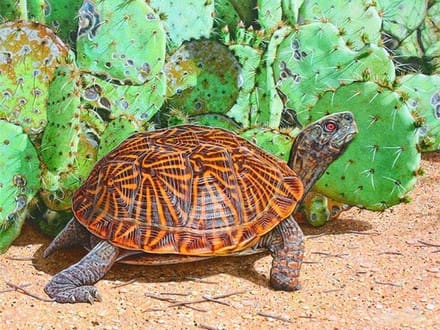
(238, 266)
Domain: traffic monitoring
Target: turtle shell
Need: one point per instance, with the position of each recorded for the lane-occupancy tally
(188, 189)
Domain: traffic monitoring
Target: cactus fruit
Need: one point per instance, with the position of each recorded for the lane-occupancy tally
(380, 167)
(317, 209)
(29, 54)
(217, 81)
(422, 95)
(314, 59)
(19, 180)
(61, 16)
(185, 20)
(135, 52)
(359, 22)
(142, 102)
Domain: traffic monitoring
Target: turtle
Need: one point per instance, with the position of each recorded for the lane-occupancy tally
(190, 192)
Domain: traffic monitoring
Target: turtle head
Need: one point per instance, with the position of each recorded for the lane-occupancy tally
(319, 144)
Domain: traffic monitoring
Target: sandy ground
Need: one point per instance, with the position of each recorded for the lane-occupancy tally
(364, 271)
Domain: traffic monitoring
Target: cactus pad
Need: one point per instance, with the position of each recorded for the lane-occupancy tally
(29, 54)
(379, 167)
(314, 59)
(19, 180)
(185, 20)
(121, 40)
(422, 93)
(141, 102)
(217, 81)
(62, 17)
(359, 22)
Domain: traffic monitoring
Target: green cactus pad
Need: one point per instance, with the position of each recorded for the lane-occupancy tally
(401, 17)
(249, 59)
(68, 153)
(226, 17)
(430, 36)
(141, 102)
(314, 59)
(379, 167)
(270, 13)
(19, 180)
(422, 95)
(62, 17)
(117, 130)
(121, 40)
(291, 10)
(215, 120)
(270, 140)
(267, 105)
(217, 81)
(185, 20)
(247, 10)
(29, 54)
(358, 22)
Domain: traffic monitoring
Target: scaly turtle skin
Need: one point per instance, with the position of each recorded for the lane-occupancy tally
(191, 192)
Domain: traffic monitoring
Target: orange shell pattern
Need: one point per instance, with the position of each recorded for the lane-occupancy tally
(190, 190)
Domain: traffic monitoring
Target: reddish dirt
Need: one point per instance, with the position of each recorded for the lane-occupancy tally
(363, 271)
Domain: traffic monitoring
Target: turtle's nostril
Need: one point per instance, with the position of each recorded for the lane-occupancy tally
(348, 117)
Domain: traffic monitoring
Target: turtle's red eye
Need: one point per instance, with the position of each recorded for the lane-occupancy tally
(330, 126)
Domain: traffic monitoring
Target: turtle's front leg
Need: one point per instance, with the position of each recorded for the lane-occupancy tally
(286, 245)
(75, 284)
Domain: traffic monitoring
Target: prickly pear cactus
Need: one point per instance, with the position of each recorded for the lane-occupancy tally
(19, 180)
(116, 131)
(401, 17)
(185, 20)
(61, 16)
(358, 22)
(422, 95)
(141, 102)
(380, 166)
(249, 59)
(216, 79)
(314, 59)
(270, 13)
(121, 40)
(66, 150)
(272, 141)
(29, 54)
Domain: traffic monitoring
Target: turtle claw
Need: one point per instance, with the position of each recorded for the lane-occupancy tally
(87, 294)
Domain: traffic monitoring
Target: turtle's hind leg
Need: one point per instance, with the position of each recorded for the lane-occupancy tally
(73, 234)
(75, 284)
(286, 245)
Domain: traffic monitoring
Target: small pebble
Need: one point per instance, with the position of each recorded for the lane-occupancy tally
(430, 307)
